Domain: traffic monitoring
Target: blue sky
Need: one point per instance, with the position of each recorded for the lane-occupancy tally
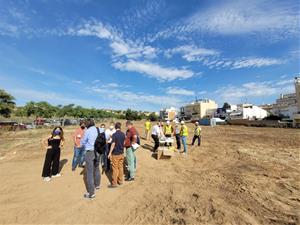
(147, 55)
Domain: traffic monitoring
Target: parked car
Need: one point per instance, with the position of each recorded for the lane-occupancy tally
(30, 126)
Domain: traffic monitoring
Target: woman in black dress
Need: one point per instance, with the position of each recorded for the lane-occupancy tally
(53, 145)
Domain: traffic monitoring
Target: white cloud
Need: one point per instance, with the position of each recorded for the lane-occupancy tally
(132, 50)
(237, 17)
(134, 98)
(202, 93)
(96, 81)
(77, 81)
(94, 28)
(154, 70)
(191, 52)
(119, 45)
(237, 94)
(112, 85)
(284, 82)
(37, 70)
(245, 62)
(256, 62)
(273, 20)
(179, 91)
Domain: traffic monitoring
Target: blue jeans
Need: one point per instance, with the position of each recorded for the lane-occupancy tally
(183, 139)
(78, 157)
(131, 161)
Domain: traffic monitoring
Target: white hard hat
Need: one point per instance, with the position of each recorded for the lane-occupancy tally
(182, 122)
(168, 122)
(197, 123)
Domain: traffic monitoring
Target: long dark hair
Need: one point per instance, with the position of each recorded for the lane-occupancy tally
(61, 135)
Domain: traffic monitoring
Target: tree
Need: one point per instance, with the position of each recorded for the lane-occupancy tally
(67, 110)
(30, 108)
(7, 103)
(132, 115)
(44, 109)
(226, 105)
(153, 117)
(20, 111)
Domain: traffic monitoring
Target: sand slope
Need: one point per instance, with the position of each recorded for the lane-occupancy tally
(239, 175)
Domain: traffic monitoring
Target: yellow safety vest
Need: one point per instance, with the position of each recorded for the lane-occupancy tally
(168, 129)
(184, 131)
(198, 131)
(147, 125)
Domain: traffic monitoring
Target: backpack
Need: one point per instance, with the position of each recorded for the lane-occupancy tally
(100, 142)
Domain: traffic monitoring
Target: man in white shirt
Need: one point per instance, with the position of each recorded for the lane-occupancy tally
(155, 134)
(108, 134)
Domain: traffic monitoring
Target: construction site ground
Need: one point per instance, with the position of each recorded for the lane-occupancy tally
(239, 175)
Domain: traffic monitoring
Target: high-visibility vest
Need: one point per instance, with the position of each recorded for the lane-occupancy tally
(147, 125)
(197, 131)
(184, 131)
(168, 129)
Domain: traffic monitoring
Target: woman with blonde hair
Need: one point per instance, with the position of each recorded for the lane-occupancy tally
(53, 145)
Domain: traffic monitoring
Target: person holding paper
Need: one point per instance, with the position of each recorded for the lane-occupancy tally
(130, 141)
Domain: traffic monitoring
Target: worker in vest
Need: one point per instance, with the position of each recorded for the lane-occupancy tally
(197, 134)
(147, 129)
(184, 134)
(168, 131)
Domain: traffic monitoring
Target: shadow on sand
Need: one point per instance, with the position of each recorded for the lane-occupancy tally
(62, 163)
(148, 147)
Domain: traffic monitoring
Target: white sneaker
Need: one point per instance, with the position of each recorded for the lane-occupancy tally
(47, 179)
(57, 175)
(88, 196)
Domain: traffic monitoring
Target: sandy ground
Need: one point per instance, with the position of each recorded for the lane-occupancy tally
(239, 175)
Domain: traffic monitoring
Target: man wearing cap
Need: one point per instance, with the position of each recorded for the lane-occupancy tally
(197, 134)
(184, 134)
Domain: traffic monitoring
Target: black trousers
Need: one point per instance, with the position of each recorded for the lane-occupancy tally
(196, 137)
(107, 166)
(178, 141)
(156, 142)
(51, 164)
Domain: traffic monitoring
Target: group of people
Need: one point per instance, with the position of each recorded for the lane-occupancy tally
(98, 147)
(95, 148)
(180, 132)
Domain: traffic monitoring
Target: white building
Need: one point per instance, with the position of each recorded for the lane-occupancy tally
(168, 113)
(287, 104)
(199, 109)
(296, 116)
(249, 112)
